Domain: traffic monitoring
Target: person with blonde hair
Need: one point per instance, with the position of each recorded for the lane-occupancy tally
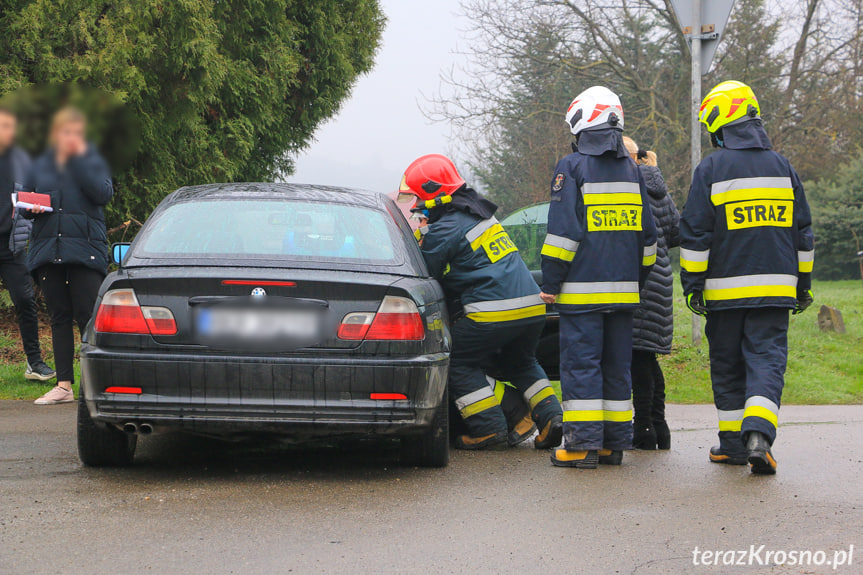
(653, 324)
(68, 245)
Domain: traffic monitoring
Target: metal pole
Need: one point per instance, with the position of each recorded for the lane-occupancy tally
(695, 51)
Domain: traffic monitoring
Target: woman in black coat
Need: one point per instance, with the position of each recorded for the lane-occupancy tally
(68, 245)
(653, 326)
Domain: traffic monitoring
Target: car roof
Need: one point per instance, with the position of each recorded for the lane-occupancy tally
(266, 190)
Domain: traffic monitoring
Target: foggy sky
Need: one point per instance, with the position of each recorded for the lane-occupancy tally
(381, 128)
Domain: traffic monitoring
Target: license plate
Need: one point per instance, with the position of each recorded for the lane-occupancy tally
(258, 324)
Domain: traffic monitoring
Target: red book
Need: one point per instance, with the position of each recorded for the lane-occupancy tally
(28, 200)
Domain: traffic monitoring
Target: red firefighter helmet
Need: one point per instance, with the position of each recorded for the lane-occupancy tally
(431, 176)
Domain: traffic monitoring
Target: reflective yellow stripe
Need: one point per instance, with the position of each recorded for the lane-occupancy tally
(612, 199)
(497, 387)
(588, 415)
(545, 392)
(597, 298)
(649, 255)
(762, 412)
(805, 261)
(745, 189)
(760, 406)
(479, 406)
(598, 415)
(617, 416)
(693, 267)
(507, 315)
(730, 420)
(611, 193)
(754, 286)
(486, 236)
(694, 261)
(505, 309)
(730, 425)
(752, 194)
(750, 292)
(557, 253)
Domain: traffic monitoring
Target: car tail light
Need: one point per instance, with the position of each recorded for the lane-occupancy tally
(397, 319)
(120, 312)
(355, 325)
(388, 396)
(119, 389)
(159, 320)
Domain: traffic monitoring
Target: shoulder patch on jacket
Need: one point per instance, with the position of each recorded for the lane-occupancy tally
(559, 180)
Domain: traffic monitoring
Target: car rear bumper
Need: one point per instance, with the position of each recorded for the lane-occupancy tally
(233, 395)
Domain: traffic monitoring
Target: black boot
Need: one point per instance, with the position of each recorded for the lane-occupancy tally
(760, 457)
(657, 411)
(663, 435)
(644, 437)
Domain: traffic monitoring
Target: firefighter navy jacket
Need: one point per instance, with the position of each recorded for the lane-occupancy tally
(746, 237)
(601, 240)
(473, 257)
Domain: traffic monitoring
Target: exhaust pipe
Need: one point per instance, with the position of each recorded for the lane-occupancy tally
(145, 429)
(130, 428)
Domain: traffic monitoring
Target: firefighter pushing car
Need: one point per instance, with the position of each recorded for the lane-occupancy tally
(502, 316)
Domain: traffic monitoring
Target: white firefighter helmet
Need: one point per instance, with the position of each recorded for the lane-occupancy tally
(596, 107)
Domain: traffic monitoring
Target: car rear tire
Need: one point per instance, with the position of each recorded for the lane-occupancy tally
(100, 446)
(431, 449)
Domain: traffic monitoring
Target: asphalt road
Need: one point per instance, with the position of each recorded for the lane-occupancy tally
(201, 506)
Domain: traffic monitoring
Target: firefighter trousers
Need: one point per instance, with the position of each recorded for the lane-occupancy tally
(595, 379)
(748, 354)
(473, 345)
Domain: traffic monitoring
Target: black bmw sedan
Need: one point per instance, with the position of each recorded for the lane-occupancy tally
(247, 309)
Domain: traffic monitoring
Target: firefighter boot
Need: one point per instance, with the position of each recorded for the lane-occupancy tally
(551, 435)
(493, 442)
(609, 457)
(717, 455)
(521, 431)
(760, 458)
(577, 459)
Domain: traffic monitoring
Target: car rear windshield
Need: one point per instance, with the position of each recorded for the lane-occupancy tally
(269, 229)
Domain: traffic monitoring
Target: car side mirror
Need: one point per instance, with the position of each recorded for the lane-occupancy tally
(118, 252)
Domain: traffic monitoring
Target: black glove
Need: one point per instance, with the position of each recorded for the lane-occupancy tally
(804, 300)
(695, 303)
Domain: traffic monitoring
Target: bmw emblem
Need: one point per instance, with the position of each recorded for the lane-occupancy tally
(259, 292)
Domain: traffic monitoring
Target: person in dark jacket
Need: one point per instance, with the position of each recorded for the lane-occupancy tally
(68, 246)
(653, 324)
(502, 315)
(14, 235)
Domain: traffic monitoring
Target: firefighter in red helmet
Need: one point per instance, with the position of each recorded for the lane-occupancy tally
(468, 251)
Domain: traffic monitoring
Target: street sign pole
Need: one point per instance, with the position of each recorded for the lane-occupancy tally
(703, 39)
(695, 136)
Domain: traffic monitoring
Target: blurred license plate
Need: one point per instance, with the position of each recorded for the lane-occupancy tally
(258, 324)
